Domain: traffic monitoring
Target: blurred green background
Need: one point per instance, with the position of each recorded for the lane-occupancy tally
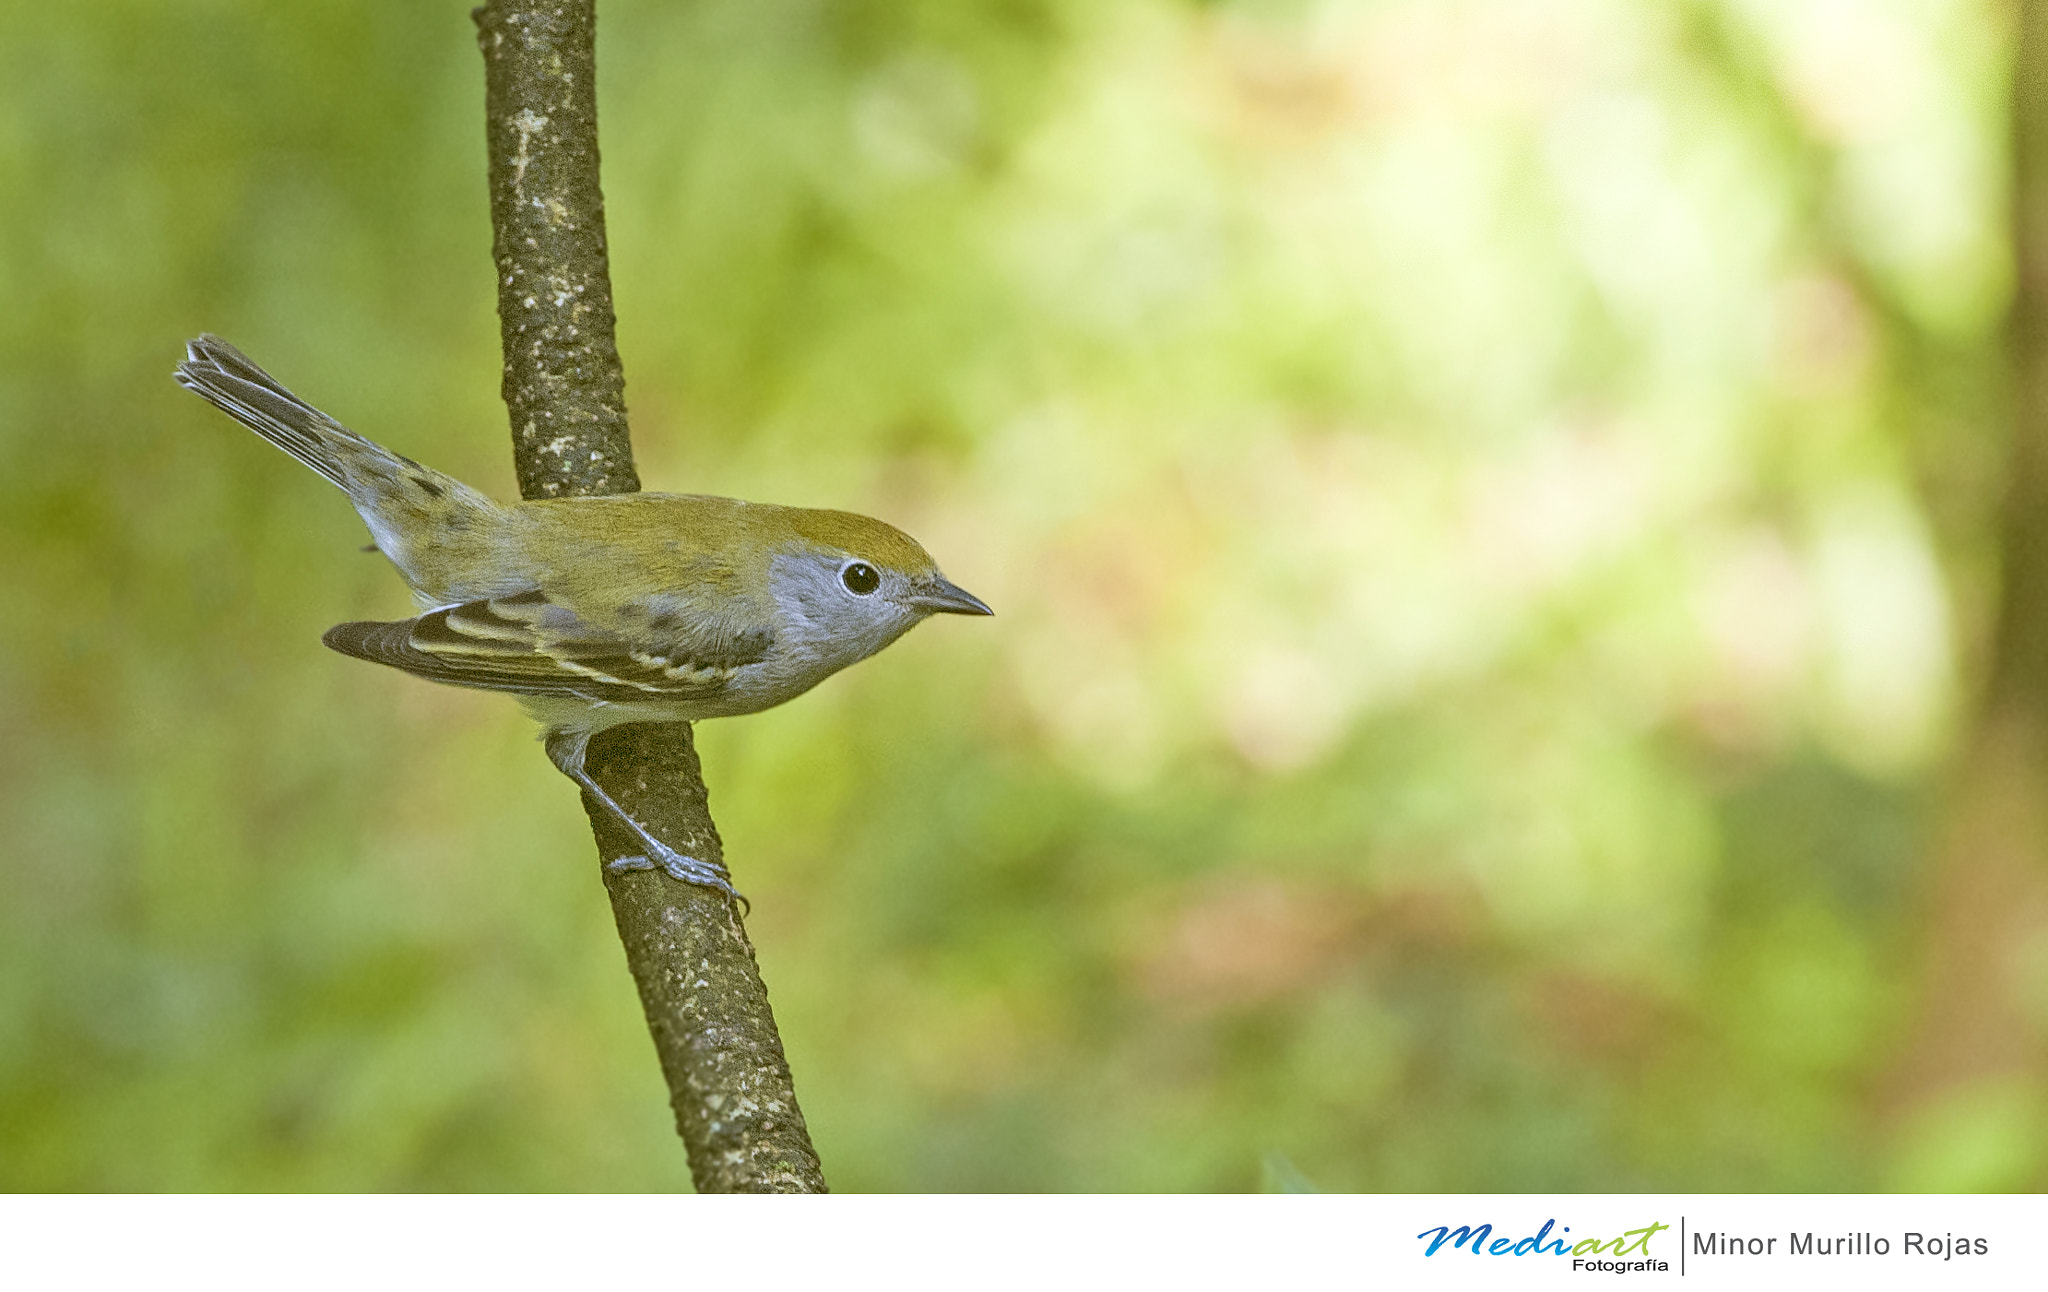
(1490, 506)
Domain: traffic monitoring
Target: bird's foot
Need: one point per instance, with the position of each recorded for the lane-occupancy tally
(688, 870)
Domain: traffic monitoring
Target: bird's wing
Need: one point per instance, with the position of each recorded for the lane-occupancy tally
(530, 645)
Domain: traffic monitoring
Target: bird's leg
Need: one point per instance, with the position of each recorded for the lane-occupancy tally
(565, 750)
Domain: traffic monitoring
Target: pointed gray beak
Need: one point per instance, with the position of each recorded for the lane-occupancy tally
(945, 598)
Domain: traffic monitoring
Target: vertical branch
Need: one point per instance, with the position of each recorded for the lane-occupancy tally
(706, 1006)
(564, 386)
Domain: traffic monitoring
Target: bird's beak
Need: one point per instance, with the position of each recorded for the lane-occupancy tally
(944, 598)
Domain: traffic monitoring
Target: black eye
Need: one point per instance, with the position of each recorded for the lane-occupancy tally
(860, 578)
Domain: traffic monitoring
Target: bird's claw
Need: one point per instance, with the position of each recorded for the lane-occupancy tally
(687, 870)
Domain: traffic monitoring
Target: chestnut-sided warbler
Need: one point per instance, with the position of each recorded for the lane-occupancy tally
(599, 611)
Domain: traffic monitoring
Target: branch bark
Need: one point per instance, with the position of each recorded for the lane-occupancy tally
(707, 1008)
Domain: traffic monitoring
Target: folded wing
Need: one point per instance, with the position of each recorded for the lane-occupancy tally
(528, 645)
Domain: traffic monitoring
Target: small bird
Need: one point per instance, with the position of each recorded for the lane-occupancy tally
(600, 611)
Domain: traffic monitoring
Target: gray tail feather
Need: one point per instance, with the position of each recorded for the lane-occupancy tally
(231, 382)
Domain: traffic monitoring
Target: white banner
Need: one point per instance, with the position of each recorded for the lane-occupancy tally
(1040, 1243)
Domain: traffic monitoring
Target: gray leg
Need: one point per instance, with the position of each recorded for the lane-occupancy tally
(566, 750)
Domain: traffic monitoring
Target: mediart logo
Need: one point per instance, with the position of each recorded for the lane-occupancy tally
(1628, 1252)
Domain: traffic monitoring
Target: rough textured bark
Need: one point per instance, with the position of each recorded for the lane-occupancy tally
(1981, 1021)
(706, 1006)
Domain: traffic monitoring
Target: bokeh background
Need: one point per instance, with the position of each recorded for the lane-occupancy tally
(1493, 512)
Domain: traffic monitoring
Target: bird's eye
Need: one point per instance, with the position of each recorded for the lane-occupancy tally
(860, 578)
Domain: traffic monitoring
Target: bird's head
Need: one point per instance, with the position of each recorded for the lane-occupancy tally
(847, 585)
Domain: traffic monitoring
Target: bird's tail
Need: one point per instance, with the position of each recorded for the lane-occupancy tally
(231, 382)
(409, 508)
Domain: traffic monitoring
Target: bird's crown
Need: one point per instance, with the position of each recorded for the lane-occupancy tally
(863, 536)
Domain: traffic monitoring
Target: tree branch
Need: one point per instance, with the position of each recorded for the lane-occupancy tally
(706, 1006)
